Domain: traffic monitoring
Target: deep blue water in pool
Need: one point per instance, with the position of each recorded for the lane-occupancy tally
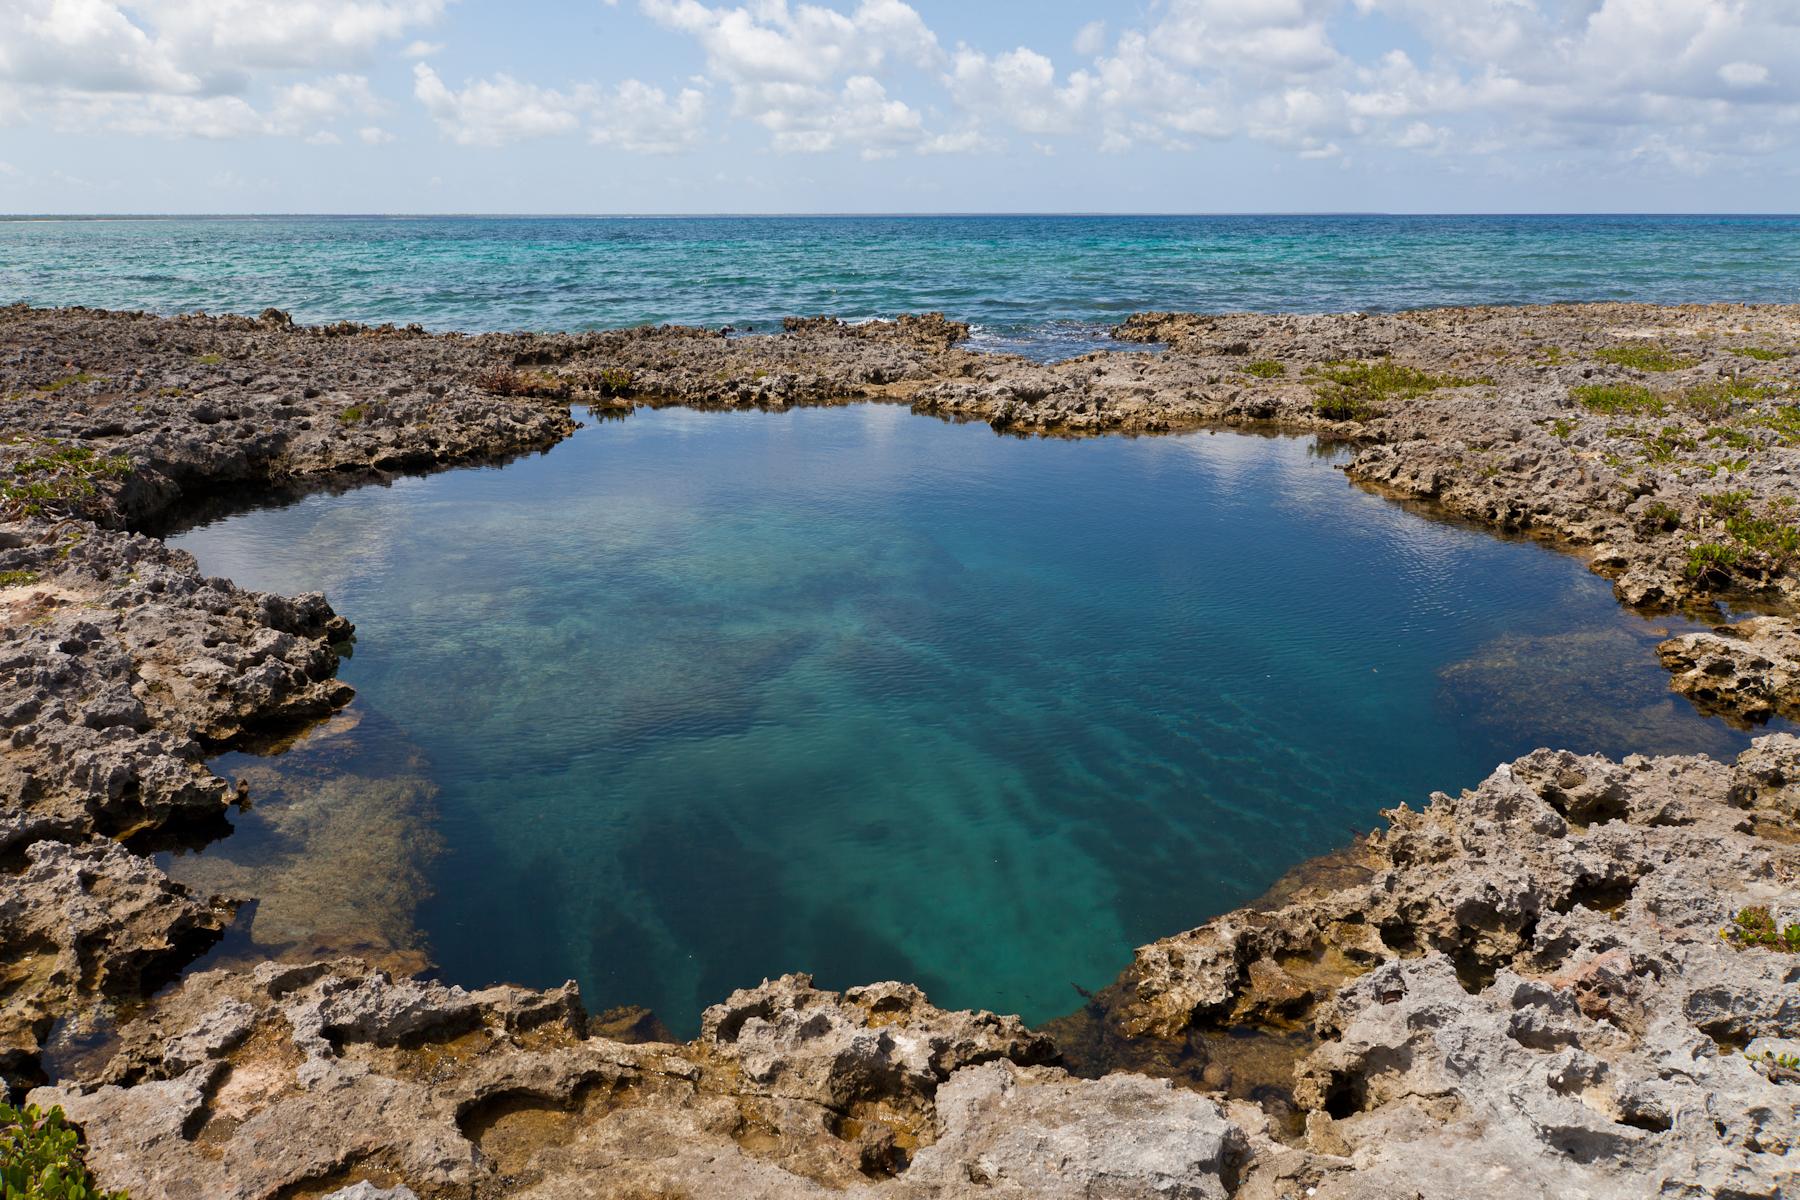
(709, 697)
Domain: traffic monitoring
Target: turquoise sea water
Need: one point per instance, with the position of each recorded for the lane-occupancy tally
(709, 697)
(1041, 285)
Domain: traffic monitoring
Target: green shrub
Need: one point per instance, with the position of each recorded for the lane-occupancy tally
(1756, 926)
(354, 415)
(57, 478)
(1619, 398)
(40, 1158)
(1709, 564)
(1661, 516)
(1760, 354)
(1643, 357)
(1266, 368)
(17, 578)
(613, 383)
(1355, 391)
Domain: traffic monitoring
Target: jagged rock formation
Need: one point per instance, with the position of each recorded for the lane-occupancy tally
(1525, 983)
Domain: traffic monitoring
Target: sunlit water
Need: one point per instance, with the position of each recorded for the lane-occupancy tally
(709, 697)
(1044, 286)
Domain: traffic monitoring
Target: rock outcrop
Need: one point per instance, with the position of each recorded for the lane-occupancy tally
(1524, 986)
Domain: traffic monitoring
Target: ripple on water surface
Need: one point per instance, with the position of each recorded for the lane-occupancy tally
(696, 698)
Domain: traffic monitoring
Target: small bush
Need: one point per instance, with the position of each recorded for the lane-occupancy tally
(1355, 391)
(613, 383)
(210, 360)
(17, 578)
(1661, 516)
(1266, 368)
(354, 415)
(1709, 564)
(1760, 354)
(1756, 926)
(1562, 427)
(1628, 399)
(1664, 447)
(1643, 357)
(40, 1158)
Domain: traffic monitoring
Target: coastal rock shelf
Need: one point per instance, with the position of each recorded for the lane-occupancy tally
(1574, 977)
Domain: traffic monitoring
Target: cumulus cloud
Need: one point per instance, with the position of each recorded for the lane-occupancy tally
(494, 112)
(188, 67)
(1669, 85)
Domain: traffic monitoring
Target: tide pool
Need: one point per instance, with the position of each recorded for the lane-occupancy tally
(696, 698)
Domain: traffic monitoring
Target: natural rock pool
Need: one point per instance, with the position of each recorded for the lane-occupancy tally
(695, 699)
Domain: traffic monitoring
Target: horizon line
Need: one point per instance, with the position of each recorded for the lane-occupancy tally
(879, 215)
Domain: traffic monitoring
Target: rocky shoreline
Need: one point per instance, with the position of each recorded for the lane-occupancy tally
(1524, 985)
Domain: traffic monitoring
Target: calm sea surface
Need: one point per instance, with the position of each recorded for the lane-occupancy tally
(1045, 286)
(693, 699)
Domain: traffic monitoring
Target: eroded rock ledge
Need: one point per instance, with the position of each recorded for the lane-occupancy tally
(1523, 983)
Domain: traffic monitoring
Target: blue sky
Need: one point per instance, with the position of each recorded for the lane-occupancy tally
(888, 106)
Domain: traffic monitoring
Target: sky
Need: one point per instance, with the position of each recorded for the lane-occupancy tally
(688, 106)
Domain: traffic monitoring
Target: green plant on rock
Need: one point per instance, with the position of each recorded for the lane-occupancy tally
(1756, 926)
(210, 360)
(1760, 353)
(1266, 368)
(57, 479)
(614, 384)
(1661, 516)
(17, 578)
(1710, 563)
(354, 415)
(1786, 1062)
(1667, 444)
(1562, 427)
(1619, 399)
(1356, 391)
(40, 1158)
(1643, 357)
(57, 385)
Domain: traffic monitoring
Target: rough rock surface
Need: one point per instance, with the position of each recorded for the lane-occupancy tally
(1747, 672)
(1528, 983)
(1523, 986)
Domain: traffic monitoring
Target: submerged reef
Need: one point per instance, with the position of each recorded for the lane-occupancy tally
(1575, 978)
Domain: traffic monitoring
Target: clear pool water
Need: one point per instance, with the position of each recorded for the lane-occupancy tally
(693, 699)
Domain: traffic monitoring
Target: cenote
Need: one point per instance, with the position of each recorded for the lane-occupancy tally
(698, 698)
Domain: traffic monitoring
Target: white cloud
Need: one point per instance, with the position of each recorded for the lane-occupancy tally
(771, 41)
(374, 135)
(644, 120)
(494, 112)
(1744, 74)
(1090, 39)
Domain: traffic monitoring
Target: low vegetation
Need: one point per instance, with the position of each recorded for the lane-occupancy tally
(40, 1158)
(10, 579)
(356, 414)
(1756, 926)
(1645, 356)
(1266, 368)
(614, 383)
(1620, 399)
(1754, 543)
(1356, 391)
(57, 385)
(57, 479)
(1760, 353)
